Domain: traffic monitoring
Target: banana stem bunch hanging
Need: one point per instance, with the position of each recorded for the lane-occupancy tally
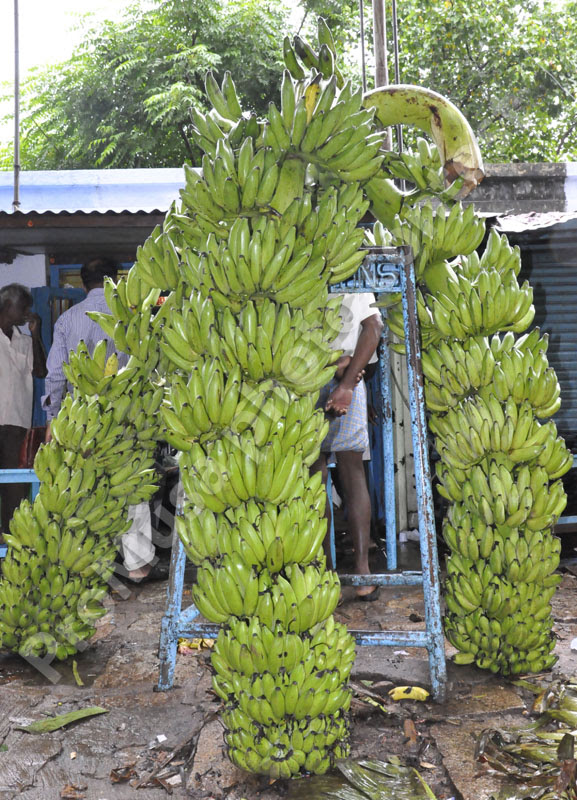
(61, 547)
(490, 395)
(263, 229)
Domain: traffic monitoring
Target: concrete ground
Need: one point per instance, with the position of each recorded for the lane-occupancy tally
(150, 744)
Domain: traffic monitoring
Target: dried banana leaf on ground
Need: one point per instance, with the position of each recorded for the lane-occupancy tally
(538, 760)
(367, 779)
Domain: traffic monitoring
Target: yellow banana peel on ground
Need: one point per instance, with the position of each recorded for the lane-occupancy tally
(408, 693)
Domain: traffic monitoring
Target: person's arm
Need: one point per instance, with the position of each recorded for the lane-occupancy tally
(340, 398)
(38, 352)
(55, 384)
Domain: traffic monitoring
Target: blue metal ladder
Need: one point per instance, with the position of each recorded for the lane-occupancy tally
(384, 270)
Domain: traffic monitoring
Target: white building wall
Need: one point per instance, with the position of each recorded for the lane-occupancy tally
(571, 187)
(28, 270)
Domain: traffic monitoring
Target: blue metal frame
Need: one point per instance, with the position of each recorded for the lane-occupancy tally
(57, 269)
(388, 447)
(384, 270)
(18, 476)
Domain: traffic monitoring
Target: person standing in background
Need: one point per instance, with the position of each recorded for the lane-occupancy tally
(22, 357)
(72, 326)
(344, 401)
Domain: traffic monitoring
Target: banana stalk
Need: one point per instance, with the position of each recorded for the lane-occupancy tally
(436, 115)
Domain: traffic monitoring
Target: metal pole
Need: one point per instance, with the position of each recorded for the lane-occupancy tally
(381, 66)
(363, 60)
(427, 532)
(16, 200)
(396, 42)
(388, 447)
(397, 68)
(380, 36)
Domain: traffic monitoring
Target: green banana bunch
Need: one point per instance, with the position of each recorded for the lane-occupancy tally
(230, 367)
(455, 371)
(435, 235)
(62, 546)
(262, 228)
(524, 375)
(291, 692)
(422, 168)
(490, 392)
(261, 535)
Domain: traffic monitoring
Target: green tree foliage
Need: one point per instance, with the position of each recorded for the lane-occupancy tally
(123, 98)
(511, 67)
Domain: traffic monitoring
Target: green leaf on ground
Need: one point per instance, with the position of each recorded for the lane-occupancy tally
(77, 678)
(61, 720)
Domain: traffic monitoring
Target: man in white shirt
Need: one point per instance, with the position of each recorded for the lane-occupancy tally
(344, 400)
(21, 358)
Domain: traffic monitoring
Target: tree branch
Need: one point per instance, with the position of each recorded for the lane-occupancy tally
(186, 140)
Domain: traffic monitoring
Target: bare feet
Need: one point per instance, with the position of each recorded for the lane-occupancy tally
(368, 593)
(138, 574)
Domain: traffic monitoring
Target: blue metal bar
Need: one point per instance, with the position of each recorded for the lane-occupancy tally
(18, 476)
(331, 530)
(21, 476)
(426, 514)
(391, 638)
(383, 579)
(194, 630)
(388, 446)
(169, 628)
(566, 521)
(188, 615)
(207, 630)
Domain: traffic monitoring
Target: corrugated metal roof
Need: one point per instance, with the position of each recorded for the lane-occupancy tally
(149, 191)
(127, 212)
(519, 223)
(87, 190)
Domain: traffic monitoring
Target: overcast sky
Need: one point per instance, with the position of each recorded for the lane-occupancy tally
(47, 35)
